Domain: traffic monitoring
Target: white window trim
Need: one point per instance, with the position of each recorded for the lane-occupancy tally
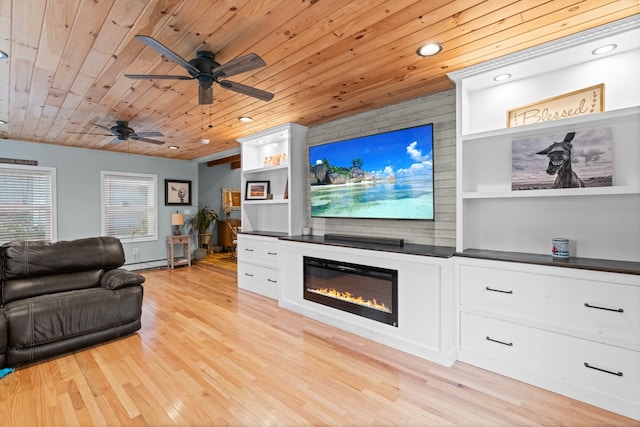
(54, 194)
(154, 194)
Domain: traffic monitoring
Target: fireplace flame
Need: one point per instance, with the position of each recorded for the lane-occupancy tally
(349, 297)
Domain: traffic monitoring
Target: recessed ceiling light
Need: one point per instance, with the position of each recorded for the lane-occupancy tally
(502, 77)
(173, 147)
(245, 119)
(430, 49)
(3, 55)
(604, 49)
(204, 140)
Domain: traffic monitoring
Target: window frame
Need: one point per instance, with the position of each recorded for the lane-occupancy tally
(153, 179)
(43, 170)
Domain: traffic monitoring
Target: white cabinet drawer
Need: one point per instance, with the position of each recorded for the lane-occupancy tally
(605, 309)
(261, 280)
(596, 368)
(258, 250)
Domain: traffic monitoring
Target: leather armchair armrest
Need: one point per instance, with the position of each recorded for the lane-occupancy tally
(4, 336)
(120, 278)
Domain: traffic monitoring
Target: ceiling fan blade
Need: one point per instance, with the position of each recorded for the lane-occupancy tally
(105, 129)
(146, 135)
(91, 133)
(239, 65)
(247, 90)
(153, 141)
(157, 77)
(155, 44)
(115, 140)
(205, 95)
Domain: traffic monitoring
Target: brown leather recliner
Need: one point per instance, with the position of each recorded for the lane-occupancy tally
(60, 297)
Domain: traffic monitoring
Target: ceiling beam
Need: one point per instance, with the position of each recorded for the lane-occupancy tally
(233, 160)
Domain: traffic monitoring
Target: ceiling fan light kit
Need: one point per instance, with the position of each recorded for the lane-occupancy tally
(207, 71)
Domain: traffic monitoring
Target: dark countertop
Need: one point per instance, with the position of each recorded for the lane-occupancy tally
(609, 266)
(594, 264)
(277, 234)
(407, 248)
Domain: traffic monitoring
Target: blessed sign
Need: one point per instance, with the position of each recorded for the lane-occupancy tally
(585, 101)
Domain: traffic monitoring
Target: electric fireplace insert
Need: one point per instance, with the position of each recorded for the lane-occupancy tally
(366, 291)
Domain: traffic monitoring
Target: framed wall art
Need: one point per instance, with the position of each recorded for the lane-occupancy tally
(230, 199)
(257, 190)
(177, 192)
(575, 159)
(577, 103)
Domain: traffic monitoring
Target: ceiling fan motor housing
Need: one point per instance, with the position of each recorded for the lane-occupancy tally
(204, 62)
(122, 130)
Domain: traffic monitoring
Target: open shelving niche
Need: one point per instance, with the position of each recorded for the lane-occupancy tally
(601, 222)
(277, 215)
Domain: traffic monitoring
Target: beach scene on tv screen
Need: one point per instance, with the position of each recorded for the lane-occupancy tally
(387, 175)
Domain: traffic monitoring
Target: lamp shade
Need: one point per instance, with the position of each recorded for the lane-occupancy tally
(177, 219)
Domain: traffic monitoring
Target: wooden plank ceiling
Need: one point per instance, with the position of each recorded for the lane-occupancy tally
(326, 59)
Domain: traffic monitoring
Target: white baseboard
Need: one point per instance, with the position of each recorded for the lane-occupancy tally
(145, 265)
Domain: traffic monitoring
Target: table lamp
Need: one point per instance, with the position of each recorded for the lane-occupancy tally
(177, 220)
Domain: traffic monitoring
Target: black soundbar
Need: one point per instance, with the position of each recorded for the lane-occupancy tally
(364, 239)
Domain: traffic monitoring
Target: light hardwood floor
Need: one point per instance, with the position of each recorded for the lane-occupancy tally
(210, 355)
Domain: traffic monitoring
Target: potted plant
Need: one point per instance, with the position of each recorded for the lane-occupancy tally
(198, 226)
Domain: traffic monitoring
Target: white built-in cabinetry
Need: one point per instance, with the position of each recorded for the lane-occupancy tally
(258, 258)
(281, 214)
(572, 330)
(284, 213)
(426, 307)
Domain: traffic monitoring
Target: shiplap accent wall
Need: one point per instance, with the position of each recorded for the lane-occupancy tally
(439, 109)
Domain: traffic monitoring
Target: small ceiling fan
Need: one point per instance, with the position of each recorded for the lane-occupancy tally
(206, 70)
(122, 132)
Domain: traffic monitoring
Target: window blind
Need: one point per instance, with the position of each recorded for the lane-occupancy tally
(129, 210)
(27, 203)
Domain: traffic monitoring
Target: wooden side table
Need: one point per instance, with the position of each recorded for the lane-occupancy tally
(172, 242)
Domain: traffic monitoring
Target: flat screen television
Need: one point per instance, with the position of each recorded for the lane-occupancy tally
(386, 175)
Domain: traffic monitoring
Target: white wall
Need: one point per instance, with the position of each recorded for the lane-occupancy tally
(78, 188)
(438, 109)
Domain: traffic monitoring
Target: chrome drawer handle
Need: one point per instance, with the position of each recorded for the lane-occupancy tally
(498, 290)
(602, 370)
(272, 253)
(618, 310)
(272, 281)
(247, 274)
(248, 250)
(499, 342)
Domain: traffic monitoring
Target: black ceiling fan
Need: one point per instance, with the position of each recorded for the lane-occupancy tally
(122, 132)
(206, 70)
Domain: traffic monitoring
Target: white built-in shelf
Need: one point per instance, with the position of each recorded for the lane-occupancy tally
(561, 192)
(266, 202)
(579, 122)
(267, 169)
